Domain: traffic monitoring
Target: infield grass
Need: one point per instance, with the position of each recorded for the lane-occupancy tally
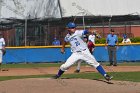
(32, 65)
(121, 76)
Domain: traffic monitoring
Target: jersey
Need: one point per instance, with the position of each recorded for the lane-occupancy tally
(92, 38)
(112, 39)
(126, 40)
(56, 42)
(76, 41)
(2, 42)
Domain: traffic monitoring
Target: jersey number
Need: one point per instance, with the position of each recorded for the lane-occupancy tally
(77, 43)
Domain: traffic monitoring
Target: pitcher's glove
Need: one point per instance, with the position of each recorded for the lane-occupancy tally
(4, 52)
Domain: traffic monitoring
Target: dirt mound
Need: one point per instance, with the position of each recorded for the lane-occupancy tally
(45, 85)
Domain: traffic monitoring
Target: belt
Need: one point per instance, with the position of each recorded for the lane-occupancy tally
(112, 45)
(81, 50)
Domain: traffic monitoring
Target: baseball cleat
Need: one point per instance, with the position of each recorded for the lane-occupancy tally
(55, 77)
(108, 78)
(76, 71)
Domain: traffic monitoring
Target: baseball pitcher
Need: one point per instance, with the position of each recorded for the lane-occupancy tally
(2, 48)
(80, 52)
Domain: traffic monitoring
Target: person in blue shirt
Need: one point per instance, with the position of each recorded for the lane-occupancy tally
(112, 45)
(56, 42)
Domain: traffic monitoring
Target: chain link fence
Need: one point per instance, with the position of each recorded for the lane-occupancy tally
(42, 33)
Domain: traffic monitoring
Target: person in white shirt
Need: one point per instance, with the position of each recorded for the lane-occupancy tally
(125, 50)
(80, 51)
(126, 40)
(91, 40)
(2, 48)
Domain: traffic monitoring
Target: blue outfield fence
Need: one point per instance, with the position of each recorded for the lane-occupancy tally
(125, 53)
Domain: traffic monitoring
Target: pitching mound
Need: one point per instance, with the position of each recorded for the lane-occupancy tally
(45, 85)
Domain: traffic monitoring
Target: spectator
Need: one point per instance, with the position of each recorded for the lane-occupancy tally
(125, 49)
(112, 45)
(126, 40)
(56, 42)
(91, 40)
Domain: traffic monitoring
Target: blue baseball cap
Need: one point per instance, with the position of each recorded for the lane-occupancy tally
(71, 25)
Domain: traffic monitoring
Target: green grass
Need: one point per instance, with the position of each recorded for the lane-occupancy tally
(121, 76)
(124, 63)
(33, 65)
(4, 78)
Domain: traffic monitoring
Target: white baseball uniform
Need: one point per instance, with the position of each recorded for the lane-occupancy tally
(79, 51)
(126, 40)
(2, 43)
(92, 39)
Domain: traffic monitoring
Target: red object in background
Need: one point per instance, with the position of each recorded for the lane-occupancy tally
(90, 46)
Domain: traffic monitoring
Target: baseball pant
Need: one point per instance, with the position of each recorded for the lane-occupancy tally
(112, 55)
(1, 56)
(83, 55)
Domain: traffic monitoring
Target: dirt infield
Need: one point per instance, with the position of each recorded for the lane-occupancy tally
(53, 70)
(46, 85)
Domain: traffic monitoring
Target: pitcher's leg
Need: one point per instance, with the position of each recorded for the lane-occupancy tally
(100, 69)
(92, 61)
(87, 57)
(70, 61)
(78, 66)
(95, 64)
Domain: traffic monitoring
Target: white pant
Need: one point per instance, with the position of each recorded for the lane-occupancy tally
(1, 56)
(84, 55)
(79, 64)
